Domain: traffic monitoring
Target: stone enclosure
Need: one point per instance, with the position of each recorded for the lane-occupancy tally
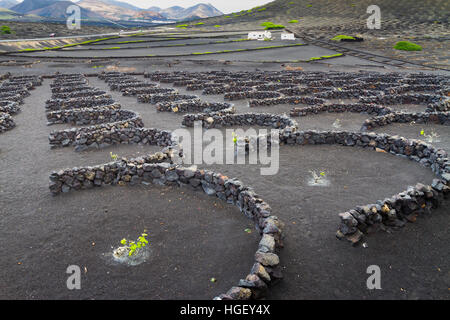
(101, 122)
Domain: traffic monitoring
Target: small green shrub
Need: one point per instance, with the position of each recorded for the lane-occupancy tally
(5, 30)
(217, 26)
(272, 26)
(341, 36)
(182, 26)
(293, 21)
(407, 46)
(134, 245)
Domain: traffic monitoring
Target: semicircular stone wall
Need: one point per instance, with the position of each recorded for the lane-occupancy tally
(291, 88)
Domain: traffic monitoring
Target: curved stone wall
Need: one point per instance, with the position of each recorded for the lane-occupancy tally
(194, 105)
(242, 119)
(354, 107)
(12, 92)
(442, 118)
(287, 87)
(408, 98)
(392, 211)
(158, 169)
(398, 209)
(6, 122)
(108, 123)
(266, 269)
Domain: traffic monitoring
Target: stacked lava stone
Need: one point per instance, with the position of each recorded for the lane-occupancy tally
(75, 102)
(12, 92)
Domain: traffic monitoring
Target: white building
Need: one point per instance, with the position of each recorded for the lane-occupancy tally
(259, 35)
(287, 36)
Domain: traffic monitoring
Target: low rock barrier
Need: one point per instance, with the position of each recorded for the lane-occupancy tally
(442, 118)
(356, 108)
(195, 105)
(12, 92)
(266, 269)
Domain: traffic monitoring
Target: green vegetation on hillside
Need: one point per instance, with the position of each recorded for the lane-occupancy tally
(272, 26)
(5, 30)
(407, 46)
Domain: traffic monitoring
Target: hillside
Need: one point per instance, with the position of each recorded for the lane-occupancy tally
(339, 13)
(57, 10)
(6, 14)
(122, 4)
(148, 15)
(201, 10)
(114, 12)
(29, 5)
(6, 4)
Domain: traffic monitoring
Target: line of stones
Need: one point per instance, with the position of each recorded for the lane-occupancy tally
(266, 260)
(372, 109)
(109, 124)
(226, 119)
(192, 105)
(245, 291)
(354, 223)
(165, 99)
(373, 87)
(12, 92)
(442, 118)
(266, 269)
(146, 92)
(400, 207)
(404, 206)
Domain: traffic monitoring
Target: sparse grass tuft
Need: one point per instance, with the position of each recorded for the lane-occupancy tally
(325, 57)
